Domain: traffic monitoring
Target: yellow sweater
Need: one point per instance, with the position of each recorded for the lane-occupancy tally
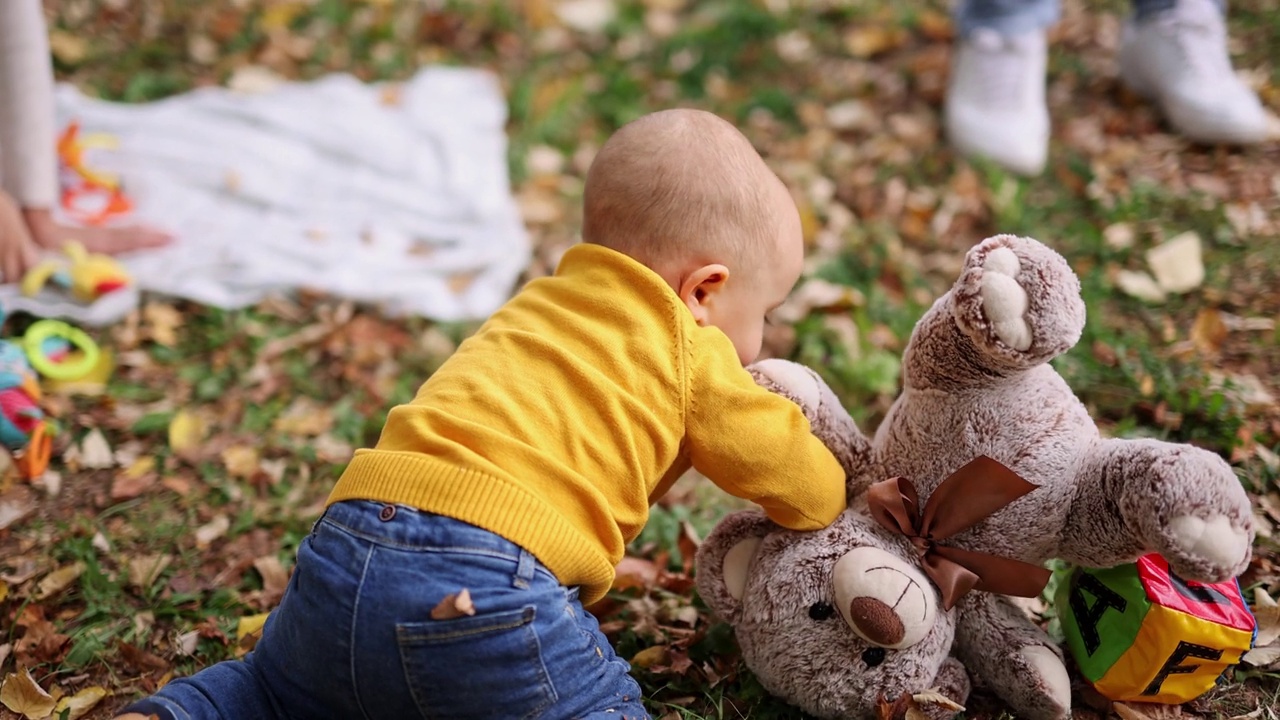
(576, 406)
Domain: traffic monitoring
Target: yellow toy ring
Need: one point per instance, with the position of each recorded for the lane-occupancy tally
(42, 330)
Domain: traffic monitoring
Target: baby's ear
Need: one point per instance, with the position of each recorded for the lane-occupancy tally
(725, 558)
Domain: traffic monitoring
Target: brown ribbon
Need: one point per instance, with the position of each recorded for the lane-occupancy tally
(965, 498)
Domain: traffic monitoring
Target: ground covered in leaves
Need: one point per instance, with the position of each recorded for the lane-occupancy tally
(169, 521)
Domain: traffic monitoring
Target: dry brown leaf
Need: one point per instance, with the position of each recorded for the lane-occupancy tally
(934, 696)
(1146, 711)
(143, 570)
(186, 432)
(650, 656)
(305, 417)
(1208, 332)
(57, 581)
(95, 452)
(67, 47)
(78, 705)
(16, 503)
(1139, 285)
(1267, 612)
(1263, 657)
(274, 576)
(161, 322)
(5, 649)
(23, 695)
(865, 41)
(135, 479)
(454, 606)
(634, 572)
(1177, 264)
(212, 530)
(240, 461)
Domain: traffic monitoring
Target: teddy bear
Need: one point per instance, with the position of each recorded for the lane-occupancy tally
(985, 466)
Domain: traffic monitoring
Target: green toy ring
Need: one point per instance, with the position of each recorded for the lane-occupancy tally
(42, 330)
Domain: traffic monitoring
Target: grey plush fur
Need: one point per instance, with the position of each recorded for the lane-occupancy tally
(976, 382)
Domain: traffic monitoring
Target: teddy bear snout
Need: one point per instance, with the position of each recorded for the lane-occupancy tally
(876, 621)
(886, 600)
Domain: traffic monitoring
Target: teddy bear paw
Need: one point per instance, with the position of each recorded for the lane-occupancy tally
(1004, 301)
(1207, 549)
(791, 380)
(1054, 683)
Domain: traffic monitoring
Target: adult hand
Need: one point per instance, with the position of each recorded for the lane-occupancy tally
(48, 233)
(18, 251)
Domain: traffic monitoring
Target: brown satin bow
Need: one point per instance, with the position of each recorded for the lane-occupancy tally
(966, 497)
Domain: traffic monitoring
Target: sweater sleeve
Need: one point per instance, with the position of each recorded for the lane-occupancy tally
(754, 444)
(28, 154)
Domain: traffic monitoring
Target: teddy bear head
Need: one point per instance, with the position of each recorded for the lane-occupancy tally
(833, 621)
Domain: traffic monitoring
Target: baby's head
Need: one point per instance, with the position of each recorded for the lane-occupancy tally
(685, 193)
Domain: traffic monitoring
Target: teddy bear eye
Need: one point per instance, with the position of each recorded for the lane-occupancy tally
(821, 611)
(873, 656)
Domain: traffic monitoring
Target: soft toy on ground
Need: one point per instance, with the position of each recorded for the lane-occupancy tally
(909, 589)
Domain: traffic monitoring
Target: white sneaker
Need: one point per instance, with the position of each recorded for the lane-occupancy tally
(995, 104)
(1179, 60)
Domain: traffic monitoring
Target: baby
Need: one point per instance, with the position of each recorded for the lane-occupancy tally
(529, 460)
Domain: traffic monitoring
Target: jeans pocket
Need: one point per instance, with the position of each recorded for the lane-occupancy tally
(485, 665)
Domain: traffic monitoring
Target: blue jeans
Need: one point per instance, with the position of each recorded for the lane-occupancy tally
(353, 635)
(1014, 17)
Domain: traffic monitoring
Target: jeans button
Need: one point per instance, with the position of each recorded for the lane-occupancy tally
(388, 512)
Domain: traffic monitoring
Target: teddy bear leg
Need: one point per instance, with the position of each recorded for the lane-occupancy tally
(1016, 305)
(1143, 496)
(952, 681)
(1000, 645)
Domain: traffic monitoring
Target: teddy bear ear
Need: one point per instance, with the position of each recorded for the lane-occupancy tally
(724, 560)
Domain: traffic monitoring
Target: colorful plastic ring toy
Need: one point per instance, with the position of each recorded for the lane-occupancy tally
(43, 330)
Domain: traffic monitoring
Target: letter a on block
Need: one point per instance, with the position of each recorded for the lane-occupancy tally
(1089, 615)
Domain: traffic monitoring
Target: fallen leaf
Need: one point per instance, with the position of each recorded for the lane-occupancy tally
(818, 295)
(454, 606)
(95, 452)
(212, 530)
(67, 48)
(634, 572)
(1263, 657)
(240, 461)
(5, 649)
(186, 432)
(1119, 236)
(140, 659)
(187, 643)
(1267, 613)
(274, 576)
(78, 705)
(23, 695)
(1127, 711)
(4, 590)
(1139, 285)
(305, 417)
(161, 322)
(650, 656)
(144, 570)
(251, 624)
(1177, 264)
(1208, 332)
(16, 503)
(135, 479)
(57, 581)
(587, 16)
(865, 41)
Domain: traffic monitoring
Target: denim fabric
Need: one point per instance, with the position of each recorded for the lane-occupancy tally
(1014, 17)
(353, 636)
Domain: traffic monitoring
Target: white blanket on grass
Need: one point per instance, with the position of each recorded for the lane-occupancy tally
(393, 195)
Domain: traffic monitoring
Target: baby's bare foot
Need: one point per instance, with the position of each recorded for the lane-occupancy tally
(106, 240)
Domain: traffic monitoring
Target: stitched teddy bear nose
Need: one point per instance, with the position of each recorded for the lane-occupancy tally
(876, 621)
